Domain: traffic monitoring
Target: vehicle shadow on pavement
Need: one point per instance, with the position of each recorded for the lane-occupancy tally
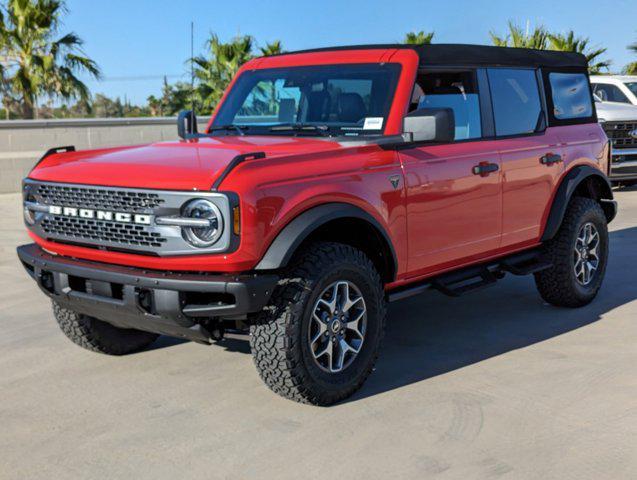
(234, 342)
(431, 334)
(164, 342)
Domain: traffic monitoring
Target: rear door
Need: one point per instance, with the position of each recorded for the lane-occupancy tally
(532, 155)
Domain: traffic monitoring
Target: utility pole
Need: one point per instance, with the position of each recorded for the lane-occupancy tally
(192, 69)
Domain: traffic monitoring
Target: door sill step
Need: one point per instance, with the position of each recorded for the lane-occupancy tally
(471, 279)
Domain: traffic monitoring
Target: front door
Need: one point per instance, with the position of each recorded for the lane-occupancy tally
(454, 197)
(454, 204)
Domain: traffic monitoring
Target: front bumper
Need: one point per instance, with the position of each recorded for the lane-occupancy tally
(624, 164)
(172, 304)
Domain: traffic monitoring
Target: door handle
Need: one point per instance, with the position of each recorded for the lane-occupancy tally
(550, 159)
(485, 168)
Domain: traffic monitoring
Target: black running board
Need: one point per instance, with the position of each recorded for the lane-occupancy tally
(471, 279)
(462, 282)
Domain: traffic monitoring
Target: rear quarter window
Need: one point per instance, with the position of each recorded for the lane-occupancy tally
(571, 96)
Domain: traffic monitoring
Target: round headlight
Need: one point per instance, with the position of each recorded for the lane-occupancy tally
(203, 237)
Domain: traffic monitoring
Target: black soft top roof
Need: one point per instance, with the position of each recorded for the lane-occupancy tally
(480, 55)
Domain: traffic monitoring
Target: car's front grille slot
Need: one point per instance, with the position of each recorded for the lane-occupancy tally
(102, 231)
(619, 133)
(114, 218)
(100, 199)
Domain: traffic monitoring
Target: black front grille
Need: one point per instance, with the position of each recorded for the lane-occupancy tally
(114, 218)
(619, 134)
(99, 198)
(101, 231)
(618, 158)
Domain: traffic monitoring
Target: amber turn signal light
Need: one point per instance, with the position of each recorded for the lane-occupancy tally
(236, 221)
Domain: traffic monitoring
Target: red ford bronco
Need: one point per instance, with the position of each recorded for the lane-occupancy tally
(327, 183)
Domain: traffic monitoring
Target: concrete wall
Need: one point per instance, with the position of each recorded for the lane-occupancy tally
(22, 142)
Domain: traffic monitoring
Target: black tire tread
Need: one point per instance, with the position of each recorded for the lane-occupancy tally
(556, 284)
(272, 341)
(98, 336)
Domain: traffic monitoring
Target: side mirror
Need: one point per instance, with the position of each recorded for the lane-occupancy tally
(186, 124)
(430, 125)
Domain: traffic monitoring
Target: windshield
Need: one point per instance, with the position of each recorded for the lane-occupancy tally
(632, 86)
(314, 100)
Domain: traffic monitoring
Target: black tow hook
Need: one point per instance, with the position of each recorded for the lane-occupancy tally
(217, 333)
(214, 330)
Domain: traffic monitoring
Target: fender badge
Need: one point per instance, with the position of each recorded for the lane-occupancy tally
(394, 180)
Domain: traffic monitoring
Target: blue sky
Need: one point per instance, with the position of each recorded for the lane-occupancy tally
(136, 42)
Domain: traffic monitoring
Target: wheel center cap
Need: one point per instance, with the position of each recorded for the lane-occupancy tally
(336, 326)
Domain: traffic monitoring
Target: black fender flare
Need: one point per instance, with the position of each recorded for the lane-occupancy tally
(566, 190)
(295, 232)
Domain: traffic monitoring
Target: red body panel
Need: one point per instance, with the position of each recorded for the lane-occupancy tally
(184, 165)
(527, 184)
(453, 214)
(440, 217)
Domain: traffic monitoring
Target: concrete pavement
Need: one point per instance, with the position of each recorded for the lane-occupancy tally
(492, 385)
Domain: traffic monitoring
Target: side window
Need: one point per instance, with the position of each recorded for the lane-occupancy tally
(455, 90)
(516, 101)
(571, 95)
(610, 93)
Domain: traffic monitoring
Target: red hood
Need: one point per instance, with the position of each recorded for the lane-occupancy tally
(179, 165)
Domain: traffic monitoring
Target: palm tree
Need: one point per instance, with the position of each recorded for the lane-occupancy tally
(631, 68)
(5, 94)
(214, 72)
(522, 38)
(36, 61)
(274, 48)
(570, 43)
(418, 38)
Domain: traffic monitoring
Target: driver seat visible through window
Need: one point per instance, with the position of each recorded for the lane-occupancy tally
(351, 108)
(455, 90)
(316, 107)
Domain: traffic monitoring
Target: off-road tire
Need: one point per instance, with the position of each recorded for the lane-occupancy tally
(558, 285)
(278, 337)
(98, 336)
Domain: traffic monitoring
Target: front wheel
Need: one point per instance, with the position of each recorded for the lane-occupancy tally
(579, 253)
(318, 340)
(98, 336)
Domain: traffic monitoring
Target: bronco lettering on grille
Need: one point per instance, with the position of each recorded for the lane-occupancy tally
(100, 215)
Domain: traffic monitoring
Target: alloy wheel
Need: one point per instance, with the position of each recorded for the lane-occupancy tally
(337, 327)
(586, 254)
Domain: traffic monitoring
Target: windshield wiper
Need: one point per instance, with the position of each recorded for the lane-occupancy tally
(301, 127)
(231, 126)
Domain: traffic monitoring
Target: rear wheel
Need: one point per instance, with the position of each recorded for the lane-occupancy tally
(98, 336)
(579, 253)
(318, 340)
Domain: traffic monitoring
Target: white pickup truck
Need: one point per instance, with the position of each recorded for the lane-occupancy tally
(616, 103)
